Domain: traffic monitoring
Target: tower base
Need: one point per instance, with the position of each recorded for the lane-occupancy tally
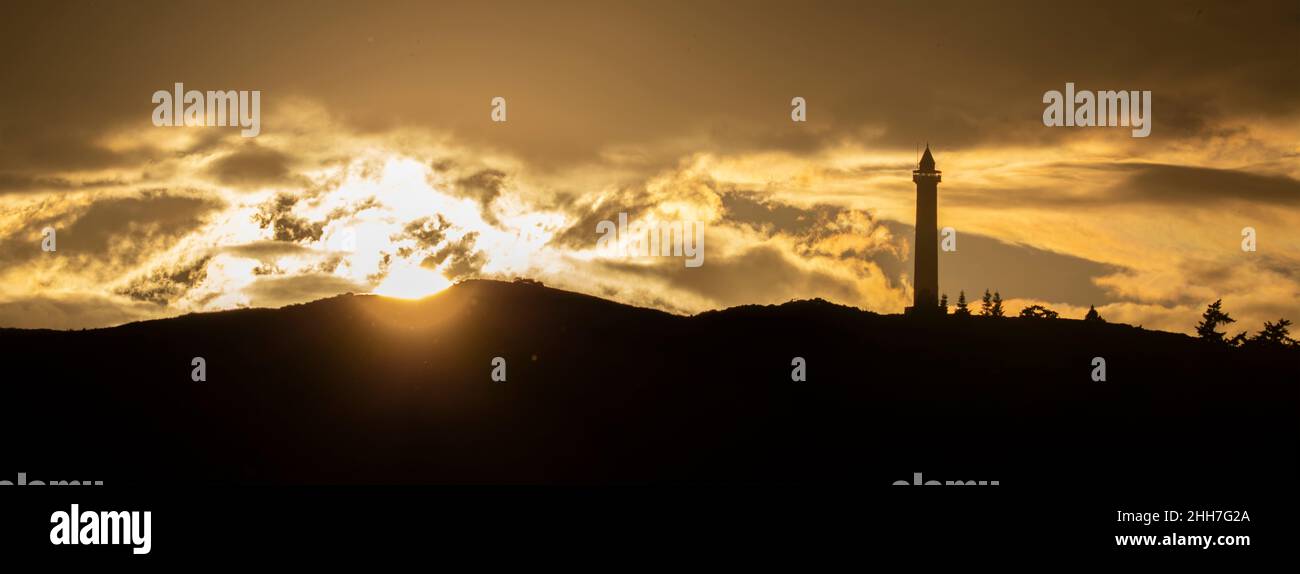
(935, 311)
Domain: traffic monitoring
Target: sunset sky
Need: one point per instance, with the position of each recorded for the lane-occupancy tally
(378, 167)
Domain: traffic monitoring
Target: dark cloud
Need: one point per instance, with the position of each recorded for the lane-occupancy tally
(281, 291)
(252, 166)
(352, 209)
(1085, 185)
(150, 214)
(207, 142)
(268, 269)
(483, 186)
(1020, 271)
(773, 217)
(1189, 185)
(815, 229)
(40, 148)
(266, 250)
(277, 214)
(587, 213)
(427, 232)
(859, 171)
(980, 262)
(166, 284)
(811, 226)
(128, 224)
(71, 312)
(1287, 265)
(463, 259)
(21, 182)
(580, 77)
(760, 275)
(430, 234)
(590, 209)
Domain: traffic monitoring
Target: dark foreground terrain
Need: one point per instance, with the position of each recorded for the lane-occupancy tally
(372, 391)
(361, 389)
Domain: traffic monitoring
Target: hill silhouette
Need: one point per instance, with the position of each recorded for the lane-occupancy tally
(369, 390)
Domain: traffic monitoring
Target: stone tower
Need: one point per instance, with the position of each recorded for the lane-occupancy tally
(925, 279)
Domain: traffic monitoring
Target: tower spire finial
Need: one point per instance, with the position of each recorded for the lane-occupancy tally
(927, 159)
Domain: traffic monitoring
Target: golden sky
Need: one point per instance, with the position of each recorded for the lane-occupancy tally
(378, 168)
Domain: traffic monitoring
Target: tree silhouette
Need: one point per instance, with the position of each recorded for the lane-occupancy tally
(996, 311)
(1093, 315)
(943, 303)
(1038, 312)
(1275, 335)
(1213, 317)
(986, 307)
(962, 309)
(1210, 320)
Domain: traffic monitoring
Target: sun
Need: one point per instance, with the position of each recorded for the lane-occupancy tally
(406, 280)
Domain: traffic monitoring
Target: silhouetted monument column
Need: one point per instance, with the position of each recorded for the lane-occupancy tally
(925, 279)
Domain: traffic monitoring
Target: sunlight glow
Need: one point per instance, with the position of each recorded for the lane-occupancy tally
(408, 281)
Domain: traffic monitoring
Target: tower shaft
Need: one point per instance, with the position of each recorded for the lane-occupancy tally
(925, 277)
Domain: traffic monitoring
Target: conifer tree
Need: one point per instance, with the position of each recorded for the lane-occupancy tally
(1214, 316)
(962, 309)
(1275, 334)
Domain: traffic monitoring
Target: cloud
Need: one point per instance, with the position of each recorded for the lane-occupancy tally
(694, 128)
(1191, 185)
(462, 259)
(427, 232)
(772, 216)
(252, 166)
(165, 284)
(118, 229)
(266, 250)
(981, 262)
(71, 311)
(711, 81)
(483, 186)
(759, 275)
(15, 182)
(277, 214)
(281, 291)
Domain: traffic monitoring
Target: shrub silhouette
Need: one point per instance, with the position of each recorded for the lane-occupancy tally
(1037, 312)
(1093, 315)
